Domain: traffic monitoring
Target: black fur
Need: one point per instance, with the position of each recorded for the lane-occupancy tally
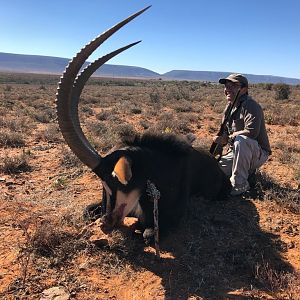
(176, 169)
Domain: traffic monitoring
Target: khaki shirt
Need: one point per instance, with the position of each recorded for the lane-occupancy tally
(249, 115)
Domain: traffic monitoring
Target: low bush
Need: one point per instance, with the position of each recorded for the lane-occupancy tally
(15, 164)
(10, 138)
(282, 91)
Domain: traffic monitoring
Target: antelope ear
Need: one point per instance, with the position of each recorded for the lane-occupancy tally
(122, 170)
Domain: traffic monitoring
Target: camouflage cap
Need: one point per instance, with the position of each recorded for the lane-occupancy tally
(235, 78)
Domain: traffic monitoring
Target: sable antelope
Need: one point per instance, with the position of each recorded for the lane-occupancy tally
(170, 163)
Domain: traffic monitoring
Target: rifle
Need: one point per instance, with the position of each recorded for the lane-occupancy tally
(217, 149)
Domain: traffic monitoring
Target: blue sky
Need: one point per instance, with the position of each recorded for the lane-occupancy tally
(256, 37)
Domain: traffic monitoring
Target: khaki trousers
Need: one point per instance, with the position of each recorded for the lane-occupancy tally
(246, 156)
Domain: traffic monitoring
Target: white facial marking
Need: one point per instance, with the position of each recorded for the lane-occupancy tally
(125, 203)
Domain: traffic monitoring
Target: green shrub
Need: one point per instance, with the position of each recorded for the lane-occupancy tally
(282, 91)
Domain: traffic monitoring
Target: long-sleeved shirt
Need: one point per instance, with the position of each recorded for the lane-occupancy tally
(248, 115)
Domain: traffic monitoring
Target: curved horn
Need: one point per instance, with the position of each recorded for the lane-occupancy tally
(68, 94)
(80, 143)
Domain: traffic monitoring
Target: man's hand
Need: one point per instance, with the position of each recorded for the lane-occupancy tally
(221, 140)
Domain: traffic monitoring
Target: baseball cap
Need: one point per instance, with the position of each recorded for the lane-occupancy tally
(235, 78)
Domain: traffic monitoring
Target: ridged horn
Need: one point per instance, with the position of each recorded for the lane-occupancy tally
(69, 90)
(92, 67)
(81, 143)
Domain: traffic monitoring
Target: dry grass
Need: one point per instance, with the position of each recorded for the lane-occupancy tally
(276, 281)
(14, 164)
(218, 247)
(11, 139)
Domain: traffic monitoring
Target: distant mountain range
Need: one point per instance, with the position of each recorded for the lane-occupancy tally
(20, 63)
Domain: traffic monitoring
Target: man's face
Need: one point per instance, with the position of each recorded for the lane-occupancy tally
(231, 90)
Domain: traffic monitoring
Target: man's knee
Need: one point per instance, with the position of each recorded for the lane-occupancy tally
(244, 142)
(240, 139)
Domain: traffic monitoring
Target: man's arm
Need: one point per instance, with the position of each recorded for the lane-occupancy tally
(252, 115)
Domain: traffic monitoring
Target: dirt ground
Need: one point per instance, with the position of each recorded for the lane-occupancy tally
(244, 248)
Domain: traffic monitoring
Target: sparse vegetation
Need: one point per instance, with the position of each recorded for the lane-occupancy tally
(15, 164)
(246, 246)
(49, 134)
(278, 280)
(69, 159)
(10, 138)
(282, 91)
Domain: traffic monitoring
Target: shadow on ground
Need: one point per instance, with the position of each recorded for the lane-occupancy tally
(218, 247)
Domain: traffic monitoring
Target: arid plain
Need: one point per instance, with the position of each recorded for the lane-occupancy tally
(243, 248)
